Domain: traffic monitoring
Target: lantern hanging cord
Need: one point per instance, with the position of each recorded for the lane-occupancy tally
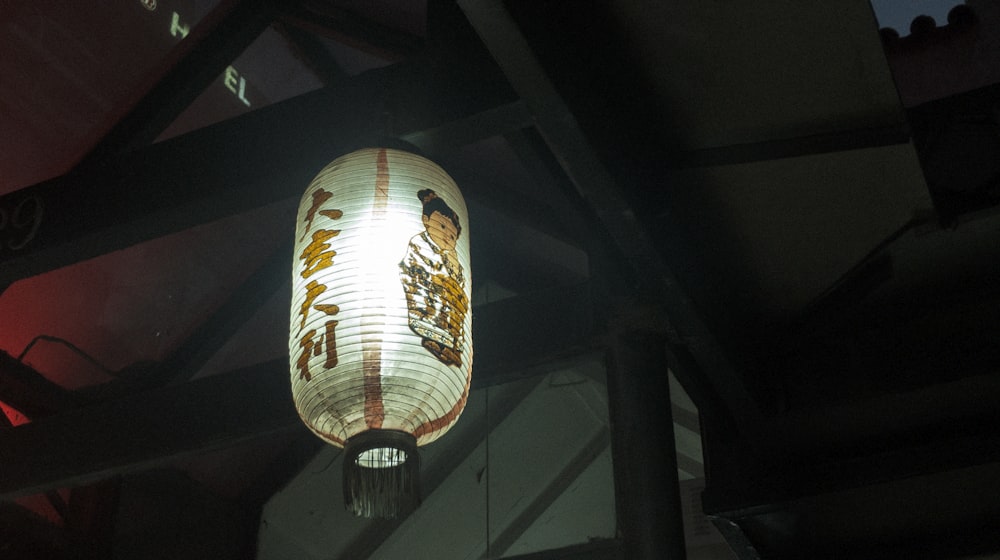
(74, 348)
(388, 114)
(387, 124)
(328, 464)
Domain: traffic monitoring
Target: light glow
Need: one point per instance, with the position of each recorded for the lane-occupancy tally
(381, 458)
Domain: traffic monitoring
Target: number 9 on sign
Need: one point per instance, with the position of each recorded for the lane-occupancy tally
(19, 226)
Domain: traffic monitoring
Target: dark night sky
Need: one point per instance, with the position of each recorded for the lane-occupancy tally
(899, 13)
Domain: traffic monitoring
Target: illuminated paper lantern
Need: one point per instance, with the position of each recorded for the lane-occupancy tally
(380, 343)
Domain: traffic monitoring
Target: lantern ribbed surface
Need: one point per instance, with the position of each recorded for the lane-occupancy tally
(381, 321)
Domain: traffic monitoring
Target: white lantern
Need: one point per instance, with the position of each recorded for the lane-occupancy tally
(380, 341)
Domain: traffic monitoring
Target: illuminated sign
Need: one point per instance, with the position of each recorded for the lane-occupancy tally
(177, 28)
(231, 78)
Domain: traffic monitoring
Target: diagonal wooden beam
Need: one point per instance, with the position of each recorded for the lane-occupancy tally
(346, 27)
(313, 53)
(35, 396)
(93, 443)
(838, 141)
(575, 467)
(692, 466)
(149, 429)
(189, 68)
(451, 136)
(580, 161)
(460, 446)
(241, 303)
(595, 549)
(244, 163)
(30, 392)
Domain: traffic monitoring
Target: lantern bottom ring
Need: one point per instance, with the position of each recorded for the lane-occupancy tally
(381, 473)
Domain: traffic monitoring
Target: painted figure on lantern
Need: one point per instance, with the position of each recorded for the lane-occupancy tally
(434, 282)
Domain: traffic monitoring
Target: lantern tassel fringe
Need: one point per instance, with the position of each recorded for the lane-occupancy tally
(381, 492)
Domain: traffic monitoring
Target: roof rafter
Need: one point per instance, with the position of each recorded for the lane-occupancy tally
(836, 141)
(145, 430)
(192, 65)
(344, 26)
(237, 165)
(568, 142)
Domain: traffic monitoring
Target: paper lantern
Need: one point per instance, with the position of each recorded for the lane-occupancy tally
(380, 340)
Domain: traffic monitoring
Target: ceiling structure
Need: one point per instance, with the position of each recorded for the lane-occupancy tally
(790, 211)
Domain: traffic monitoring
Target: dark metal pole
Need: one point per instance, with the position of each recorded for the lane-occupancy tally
(647, 495)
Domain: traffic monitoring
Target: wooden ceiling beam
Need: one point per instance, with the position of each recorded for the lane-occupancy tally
(313, 53)
(767, 150)
(893, 497)
(180, 78)
(149, 429)
(30, 392)
(240, 304)
(244, 163)
(582, 164)
(346, 27)
(126, 435)
(595, 549)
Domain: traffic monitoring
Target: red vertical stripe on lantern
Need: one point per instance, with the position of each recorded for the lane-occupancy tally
(371, 342)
